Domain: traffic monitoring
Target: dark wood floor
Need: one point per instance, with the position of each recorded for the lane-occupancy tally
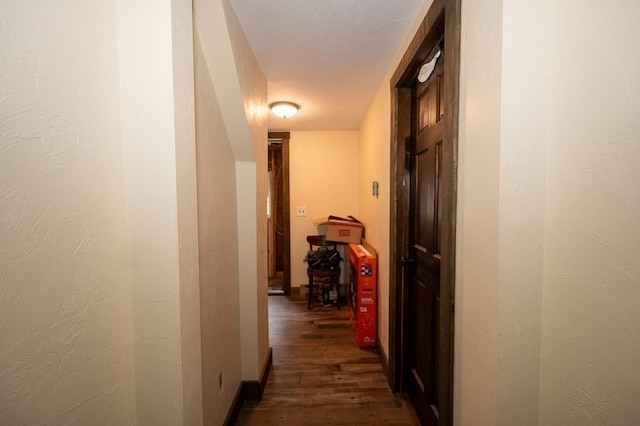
(319, 375)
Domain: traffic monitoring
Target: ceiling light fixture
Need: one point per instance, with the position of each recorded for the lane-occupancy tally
(284, 109)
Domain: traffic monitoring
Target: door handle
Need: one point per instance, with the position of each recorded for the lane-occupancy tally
(406, 260)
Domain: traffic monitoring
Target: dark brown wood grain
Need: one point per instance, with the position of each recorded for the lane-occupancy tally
(442, 22)
(319, 375)
(286, 239)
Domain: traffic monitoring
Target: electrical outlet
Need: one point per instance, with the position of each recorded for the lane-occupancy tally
(301, 211)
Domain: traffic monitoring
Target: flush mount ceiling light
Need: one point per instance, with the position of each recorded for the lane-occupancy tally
(284, 109)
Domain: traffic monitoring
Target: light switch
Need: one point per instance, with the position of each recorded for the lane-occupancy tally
(301, 211)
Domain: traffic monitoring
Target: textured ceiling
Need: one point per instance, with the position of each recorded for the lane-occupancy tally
(328, 56)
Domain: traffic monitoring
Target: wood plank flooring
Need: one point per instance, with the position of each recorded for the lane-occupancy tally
(319, 375)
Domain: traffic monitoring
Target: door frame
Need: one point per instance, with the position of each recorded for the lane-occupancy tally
(286, 219)
(442, 18)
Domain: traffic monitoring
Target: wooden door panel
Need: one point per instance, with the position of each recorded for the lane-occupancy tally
(423, 380)
(425, 218)
(437, 245)
(424, 118)
(422, 233)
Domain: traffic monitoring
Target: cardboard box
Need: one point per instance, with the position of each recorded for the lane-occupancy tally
(341, 230)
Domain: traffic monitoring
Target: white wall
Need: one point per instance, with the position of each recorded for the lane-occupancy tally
(187, 209)
(323, 177)
(477, 263)
(156, 53)
(591, 305)
(241, 87)
(65, 311)
(525, 97)
(236, 113)
(252, 195)
(547, 306)
(108, 270)
(246, 173)
(217, 223)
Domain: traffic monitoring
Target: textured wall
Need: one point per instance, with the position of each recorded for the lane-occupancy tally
(477, 263)
(65, 311)
(99, 217)
(150, 130)
(526, 57)
(252, 196)
(591, 305)
(187, 209)
(241, 87)
(559, 322)
(217, 225)
(323, 177)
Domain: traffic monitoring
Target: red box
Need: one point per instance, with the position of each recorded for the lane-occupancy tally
(363, 294)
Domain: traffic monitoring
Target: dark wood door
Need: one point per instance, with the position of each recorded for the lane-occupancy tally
(423, 266)
(423, 216)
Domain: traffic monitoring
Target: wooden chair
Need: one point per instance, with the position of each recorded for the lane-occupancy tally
(319, 276)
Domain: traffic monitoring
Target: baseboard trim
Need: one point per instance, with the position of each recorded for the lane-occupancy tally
(236, 406)
(384, 361)
(253, 389)
(249, 390)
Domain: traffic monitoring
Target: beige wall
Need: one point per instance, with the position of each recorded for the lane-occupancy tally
(187, 210)
(241, 96)
(323, 177)
(477, 262)
(66, 354)
(525, 95)
(157, 87)
(374, 153)
(591, 304)
(217, 223)
(545, 279)
(118, 238)
(252, 183)
(240, 87)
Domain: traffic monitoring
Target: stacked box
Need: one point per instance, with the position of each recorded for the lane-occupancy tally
(344, 231)
(363, 294)
(340, 230)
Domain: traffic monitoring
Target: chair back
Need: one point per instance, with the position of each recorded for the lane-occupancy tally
(319, 242)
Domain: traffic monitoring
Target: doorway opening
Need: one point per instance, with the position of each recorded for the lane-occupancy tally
(278, 226)
(423, 212)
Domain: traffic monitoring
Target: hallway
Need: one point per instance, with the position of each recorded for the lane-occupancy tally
(319, 376)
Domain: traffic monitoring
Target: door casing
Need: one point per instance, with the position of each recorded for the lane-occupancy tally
(443, 18)
(286, 238)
